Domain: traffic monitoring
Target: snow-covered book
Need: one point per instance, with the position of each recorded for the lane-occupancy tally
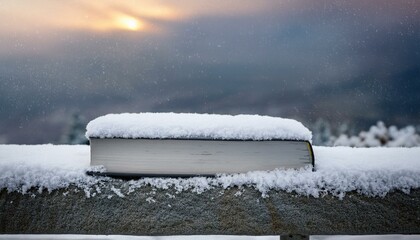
(181, 144)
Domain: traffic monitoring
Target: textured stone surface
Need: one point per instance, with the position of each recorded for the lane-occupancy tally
(165, 212)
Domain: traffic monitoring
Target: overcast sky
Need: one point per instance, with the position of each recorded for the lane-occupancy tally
(344, 61)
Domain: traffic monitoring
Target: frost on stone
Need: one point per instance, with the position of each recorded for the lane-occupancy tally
(117, 192)
(339, 170)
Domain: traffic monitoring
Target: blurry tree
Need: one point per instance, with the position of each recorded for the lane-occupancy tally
(321, 132)
(380, 135)
(75, 133)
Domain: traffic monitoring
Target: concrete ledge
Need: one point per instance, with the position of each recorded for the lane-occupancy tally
(244, 212)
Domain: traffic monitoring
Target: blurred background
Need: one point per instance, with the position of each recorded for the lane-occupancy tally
(339, 67)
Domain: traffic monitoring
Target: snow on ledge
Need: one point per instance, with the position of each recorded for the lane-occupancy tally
(368, 171)
(196, 126)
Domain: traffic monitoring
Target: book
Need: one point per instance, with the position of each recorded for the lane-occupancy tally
(180, 157)
(184, 144)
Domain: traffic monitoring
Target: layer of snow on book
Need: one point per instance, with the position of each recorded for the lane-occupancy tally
(196, 126)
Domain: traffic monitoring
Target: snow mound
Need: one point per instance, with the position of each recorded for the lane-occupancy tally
(49, 167)
(368, 171)
(196, 126)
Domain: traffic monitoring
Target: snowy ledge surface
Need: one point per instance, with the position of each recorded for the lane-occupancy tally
(369, 171)
(196, 126)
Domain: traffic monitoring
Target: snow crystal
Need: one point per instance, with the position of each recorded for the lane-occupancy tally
(196, 126)
(368, 171)
(117, 192)
(150, 200)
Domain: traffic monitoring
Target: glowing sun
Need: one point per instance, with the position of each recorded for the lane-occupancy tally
(130, 23)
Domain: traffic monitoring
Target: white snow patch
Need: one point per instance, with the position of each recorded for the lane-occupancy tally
(196, 126)
(369, 171)
(50, 167)
(150, 200)
(117, 192)
(367, 159)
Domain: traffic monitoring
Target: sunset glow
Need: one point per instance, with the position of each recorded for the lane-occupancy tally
(327, 62)
(130, 23)
(102, 16)
(108, 16)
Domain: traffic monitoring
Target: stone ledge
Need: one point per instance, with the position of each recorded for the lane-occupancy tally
(229, 212)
